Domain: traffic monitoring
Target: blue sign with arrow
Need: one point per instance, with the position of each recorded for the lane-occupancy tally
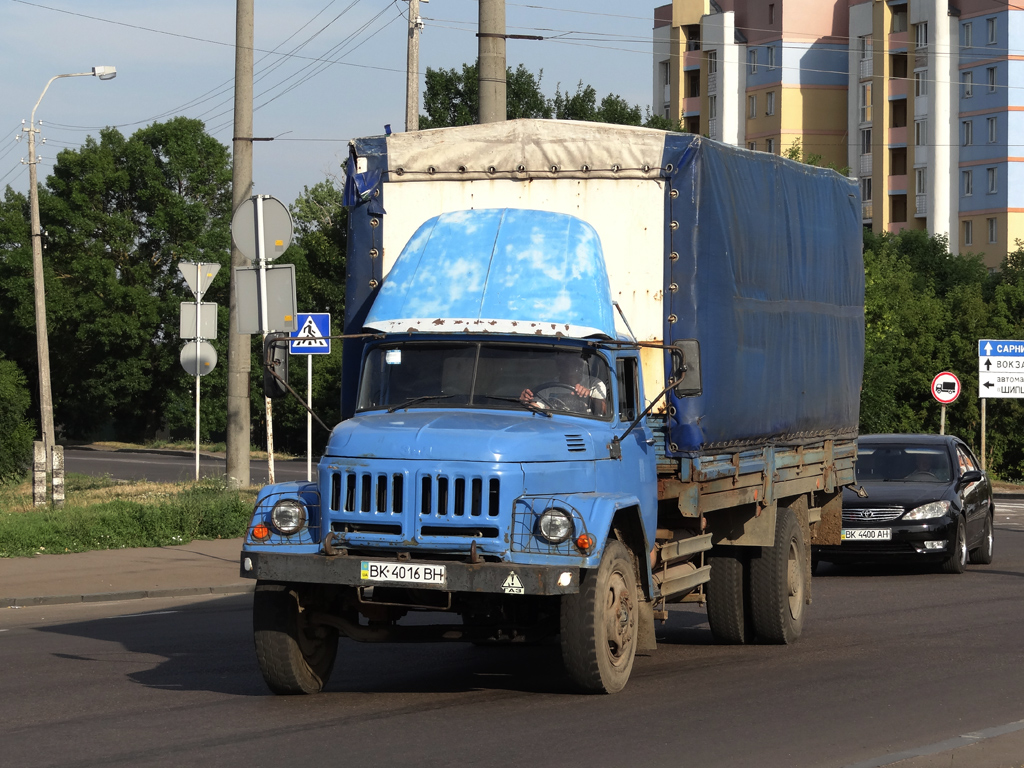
(311, 336)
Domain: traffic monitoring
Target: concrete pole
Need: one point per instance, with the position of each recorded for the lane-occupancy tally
(412, 75)
(492, 61)
(240, 346)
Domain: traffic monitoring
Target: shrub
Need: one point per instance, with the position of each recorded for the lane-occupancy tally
(16, 432)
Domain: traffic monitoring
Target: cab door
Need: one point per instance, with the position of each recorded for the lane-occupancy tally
(639, 458)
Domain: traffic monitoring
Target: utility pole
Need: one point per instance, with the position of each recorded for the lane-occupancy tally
(240, 346)
(491, 61)
(412, 75)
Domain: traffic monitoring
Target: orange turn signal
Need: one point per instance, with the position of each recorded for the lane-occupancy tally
(585, 542)
(261, 532)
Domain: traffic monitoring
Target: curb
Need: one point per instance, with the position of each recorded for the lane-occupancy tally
(107, 597)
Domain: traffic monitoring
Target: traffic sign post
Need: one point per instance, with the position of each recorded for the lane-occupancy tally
(198, 322)
(311, 338)
(946, 389)
(1000, 374)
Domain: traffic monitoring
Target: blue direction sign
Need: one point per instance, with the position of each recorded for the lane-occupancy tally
(1000, 368)
(310, 338)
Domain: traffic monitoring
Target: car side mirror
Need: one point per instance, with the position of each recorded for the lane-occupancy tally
(686, 368)
(275, 358)
(970, 476)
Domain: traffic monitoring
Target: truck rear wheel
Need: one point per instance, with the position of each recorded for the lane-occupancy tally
(294, 656)
(729, 596)
(778, 585)
(599, 624)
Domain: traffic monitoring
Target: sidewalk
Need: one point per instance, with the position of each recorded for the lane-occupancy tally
(199, 568)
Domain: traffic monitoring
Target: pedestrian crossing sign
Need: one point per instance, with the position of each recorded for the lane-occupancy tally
(310, 338)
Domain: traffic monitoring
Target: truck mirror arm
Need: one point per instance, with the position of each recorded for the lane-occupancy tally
(615, 446)
(269, 369)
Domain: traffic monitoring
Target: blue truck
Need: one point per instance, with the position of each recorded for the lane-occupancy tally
(589, 371)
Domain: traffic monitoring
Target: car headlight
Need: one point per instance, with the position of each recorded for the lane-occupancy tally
(928, 511)
(555, 525)
(288, 516)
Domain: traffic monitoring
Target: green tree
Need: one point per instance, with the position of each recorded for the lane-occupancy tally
(452, 97)
(16, 431)
(796, 151)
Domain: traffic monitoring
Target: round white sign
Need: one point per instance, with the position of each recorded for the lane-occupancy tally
(946, 387)
(198, 358)
(277, 228)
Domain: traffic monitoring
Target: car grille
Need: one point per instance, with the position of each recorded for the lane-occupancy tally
(871, 515)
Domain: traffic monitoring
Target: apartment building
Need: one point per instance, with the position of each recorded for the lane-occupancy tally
(921, 99)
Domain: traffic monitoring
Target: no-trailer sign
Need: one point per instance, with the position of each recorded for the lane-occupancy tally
(946, 387)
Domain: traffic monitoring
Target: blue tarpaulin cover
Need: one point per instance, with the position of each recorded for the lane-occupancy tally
(498, 270)
(771, 282)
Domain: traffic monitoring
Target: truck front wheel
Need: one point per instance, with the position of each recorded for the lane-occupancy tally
(294, 656)
(778, 587)
(599, 624)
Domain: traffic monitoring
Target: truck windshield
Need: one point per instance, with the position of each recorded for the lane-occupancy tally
(486, 375)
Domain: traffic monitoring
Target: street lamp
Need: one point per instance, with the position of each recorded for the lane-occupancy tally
(42, 341)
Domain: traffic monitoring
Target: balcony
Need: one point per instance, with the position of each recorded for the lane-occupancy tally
(922, 205)
(692, 58)
(866, 211)
(898, 136)
(897, 184)
(712, 83)
(713, 128)
(866, 164)
(691, 106)
(867, 68)
(898, 86)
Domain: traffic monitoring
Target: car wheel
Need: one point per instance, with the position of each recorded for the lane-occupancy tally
(957, 560)
(983, 554)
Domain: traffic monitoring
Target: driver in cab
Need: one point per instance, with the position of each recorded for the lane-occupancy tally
(574, 391)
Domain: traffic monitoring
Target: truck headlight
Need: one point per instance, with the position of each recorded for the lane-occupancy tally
(555, 525)
(288, 516)
(928, 511)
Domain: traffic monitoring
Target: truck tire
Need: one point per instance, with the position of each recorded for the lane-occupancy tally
(982, 555)
(957, 560)
(600, 623)
(293, 657)
(729, 596)
(778, 583)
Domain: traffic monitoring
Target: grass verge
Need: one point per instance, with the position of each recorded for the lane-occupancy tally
(103, 514)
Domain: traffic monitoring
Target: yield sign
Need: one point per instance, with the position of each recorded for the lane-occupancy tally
(310, 339)
(198, 276)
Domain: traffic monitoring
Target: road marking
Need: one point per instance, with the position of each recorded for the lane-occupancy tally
(941, 746)
(1009, 513)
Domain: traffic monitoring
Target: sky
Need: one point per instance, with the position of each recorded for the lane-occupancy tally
(326, 70)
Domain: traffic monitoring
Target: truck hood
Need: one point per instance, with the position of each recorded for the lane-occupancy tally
(461, 436)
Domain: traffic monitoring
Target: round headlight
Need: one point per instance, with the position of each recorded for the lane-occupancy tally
(288, 516)
(555, 525)
(928, 511)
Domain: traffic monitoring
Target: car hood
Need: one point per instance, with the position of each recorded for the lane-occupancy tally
(897, 494)
(462, 436)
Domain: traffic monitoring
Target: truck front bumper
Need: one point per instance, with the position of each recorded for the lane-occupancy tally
(507, 578)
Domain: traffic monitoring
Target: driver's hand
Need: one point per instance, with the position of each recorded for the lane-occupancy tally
(581, 391)
(526, 396)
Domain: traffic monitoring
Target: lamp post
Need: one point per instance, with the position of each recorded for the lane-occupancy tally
(42, 341)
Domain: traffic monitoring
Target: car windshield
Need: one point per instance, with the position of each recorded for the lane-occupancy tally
(903, 463)
(540, 378)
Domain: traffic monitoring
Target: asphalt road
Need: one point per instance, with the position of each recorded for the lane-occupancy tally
(166, 467)
(891, 659)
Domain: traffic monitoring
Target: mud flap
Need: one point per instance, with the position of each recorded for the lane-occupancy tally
(645, 640)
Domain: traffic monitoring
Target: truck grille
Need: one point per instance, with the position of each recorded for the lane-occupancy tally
(367, 492)
(444, 496)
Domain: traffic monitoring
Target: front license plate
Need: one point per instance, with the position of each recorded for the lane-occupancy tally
(406, 573)
(866, 534)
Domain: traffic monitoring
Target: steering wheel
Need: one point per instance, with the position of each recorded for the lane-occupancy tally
(921, 474)
(563, 399)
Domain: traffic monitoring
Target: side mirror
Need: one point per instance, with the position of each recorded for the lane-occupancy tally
(968, 477)
(686, 368)
(275, 358)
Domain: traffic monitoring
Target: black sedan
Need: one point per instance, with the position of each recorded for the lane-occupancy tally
(924, 498)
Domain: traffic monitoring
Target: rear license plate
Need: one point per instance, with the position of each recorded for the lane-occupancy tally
(405, 573)
(866, 534)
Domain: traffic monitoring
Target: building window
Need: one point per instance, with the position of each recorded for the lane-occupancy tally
(991, 130)
(752, 60)
(752, 106)
(712, 62)
(968, 35)
(991, 24)
(968, 233)
(867, 47)
(769, 145)
(993, 230)
(968, 132)
(771, 57)
(921, 34)
(921, 82)
(968, 182)
(920, 180)
(771, 13)
(921, 133)
(865, 190)
(865, 141)
(770, 103)
(865, 102)
(752, 145)
(992, 180)
(899, 20)
(990, 73)
(967, 81)
(712, 107)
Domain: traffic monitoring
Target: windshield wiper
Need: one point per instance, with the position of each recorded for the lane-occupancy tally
(414, 400)
(517, 401)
